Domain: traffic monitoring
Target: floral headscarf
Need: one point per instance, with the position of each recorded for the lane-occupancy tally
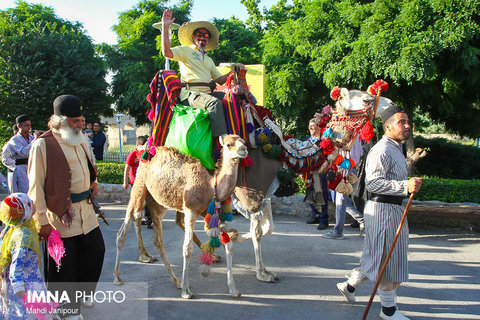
(21, 230)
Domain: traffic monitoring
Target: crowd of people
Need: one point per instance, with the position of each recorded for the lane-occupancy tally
(52, 181)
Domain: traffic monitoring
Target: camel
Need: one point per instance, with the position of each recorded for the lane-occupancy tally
(252, 195)
(171, 180)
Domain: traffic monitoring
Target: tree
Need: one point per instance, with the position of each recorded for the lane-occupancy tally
(427, 50)
(43, 56)
(236, 44)
(136, 58)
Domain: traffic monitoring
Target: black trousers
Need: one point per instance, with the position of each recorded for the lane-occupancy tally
(80, 268)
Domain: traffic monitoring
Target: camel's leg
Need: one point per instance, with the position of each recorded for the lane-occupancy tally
(121, 236)
(190, 219)
(179, 222)
(143, 255)
(256, 231)
(266, 225)
(158, 212)
(230, 282)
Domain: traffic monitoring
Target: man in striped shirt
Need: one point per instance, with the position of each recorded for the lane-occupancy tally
(387, 184)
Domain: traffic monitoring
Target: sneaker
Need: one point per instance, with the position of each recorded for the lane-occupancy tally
(362, 229)
(396, 316)
(333, 235)
(342, 287)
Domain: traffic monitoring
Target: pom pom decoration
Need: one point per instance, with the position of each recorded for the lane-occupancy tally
(345, 164)
(206, 258)
(211, 209)
(266, 148)
(366, 133)
(246, 162)
(262, 138)
(204, 270)
(213, 223)
(227, 216)
(327, 146)
(214, 232)
(352, 163)
(338, 160)
(328, 133)
(151, 115)
(224, 238)
(56, 249)
(352, 178)
(335, 93)
(250, 127)
(215, 242)
(377, 87)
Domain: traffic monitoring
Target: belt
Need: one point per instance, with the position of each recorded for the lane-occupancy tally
(21, 161)
(77, 197)
(385, 198)
(210, 84)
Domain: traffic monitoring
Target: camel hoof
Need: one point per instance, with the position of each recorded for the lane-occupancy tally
(265, 277)
(146, 258)
(275, 276)
(187, 294)
(117, 280)
(235, 293)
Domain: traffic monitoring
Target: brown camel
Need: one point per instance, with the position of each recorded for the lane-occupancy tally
(176, 181)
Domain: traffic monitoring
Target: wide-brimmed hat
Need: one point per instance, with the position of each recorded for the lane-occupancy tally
(186, 31)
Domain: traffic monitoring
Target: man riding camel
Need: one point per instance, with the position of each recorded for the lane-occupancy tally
(197, 70)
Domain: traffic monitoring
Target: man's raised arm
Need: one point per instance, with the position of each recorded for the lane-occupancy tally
(167, 21)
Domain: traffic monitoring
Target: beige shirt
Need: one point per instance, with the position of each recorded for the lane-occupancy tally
(85, 219)
(194, 67)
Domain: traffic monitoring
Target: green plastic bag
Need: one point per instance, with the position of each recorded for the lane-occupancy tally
(190, 133)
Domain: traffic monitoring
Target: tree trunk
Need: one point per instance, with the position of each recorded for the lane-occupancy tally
(413, 154)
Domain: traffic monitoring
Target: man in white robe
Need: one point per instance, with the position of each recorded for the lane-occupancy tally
(15, 156)
(387, 184)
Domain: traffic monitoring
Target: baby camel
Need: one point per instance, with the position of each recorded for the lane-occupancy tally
(176, 181)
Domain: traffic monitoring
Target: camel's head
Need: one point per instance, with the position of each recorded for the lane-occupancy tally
(351, 100)
(233, 147)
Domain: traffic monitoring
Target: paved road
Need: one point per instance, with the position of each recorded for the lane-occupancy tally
(444, 276)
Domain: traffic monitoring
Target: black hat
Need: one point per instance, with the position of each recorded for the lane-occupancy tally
(22, 118)
(68, 105)
(390, 111)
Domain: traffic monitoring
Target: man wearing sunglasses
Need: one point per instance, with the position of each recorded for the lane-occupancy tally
(198, 72)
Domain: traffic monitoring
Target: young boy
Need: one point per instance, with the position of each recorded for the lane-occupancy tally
(131, 166)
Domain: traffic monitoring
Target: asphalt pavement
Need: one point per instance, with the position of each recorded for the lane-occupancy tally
(444, 276)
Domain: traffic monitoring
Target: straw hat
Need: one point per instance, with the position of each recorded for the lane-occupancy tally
(186, 31)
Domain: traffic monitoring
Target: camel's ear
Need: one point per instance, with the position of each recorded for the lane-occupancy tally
(220, 139)
(241, 140)
(344, 93)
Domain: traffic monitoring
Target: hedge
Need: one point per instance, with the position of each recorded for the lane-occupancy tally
(447, 159)
(440, 189)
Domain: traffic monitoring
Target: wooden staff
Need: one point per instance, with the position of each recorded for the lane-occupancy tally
(384, 266)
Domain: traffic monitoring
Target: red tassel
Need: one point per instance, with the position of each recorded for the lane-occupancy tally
(224, 238)
(151, 115)
(366, 133)
(207, 217)
(246, 162)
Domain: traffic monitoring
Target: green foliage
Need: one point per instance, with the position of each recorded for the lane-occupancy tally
(136, 58)
(42, 57)
(236, 44)
(449, 190)
(424, 124)
(110, 172)
(427, 50)
(448, 160)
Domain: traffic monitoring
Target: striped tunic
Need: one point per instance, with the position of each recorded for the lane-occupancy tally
(386, 173)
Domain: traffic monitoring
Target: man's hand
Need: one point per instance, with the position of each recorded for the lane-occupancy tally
(125, 185)
(167, 19)
(20, 294)
(414, 184)
(94, 188)
(44, 232)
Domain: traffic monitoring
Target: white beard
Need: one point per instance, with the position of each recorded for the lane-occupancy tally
(73, 137)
